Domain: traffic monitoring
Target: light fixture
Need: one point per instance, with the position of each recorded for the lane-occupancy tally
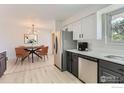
(33, 30)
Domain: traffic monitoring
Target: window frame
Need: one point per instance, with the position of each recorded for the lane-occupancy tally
(108, 27)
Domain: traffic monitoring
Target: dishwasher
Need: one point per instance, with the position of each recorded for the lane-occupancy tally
(87, 69)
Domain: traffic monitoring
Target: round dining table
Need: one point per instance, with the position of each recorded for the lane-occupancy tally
(32, 51)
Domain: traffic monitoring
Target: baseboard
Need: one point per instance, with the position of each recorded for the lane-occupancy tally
(11, 59)
(58, 67)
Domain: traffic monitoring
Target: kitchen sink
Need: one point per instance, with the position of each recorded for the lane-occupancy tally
(115, 57)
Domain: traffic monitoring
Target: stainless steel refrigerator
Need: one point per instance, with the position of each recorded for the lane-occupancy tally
(63, 41)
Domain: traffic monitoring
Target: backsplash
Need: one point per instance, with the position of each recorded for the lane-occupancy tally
(101, 46)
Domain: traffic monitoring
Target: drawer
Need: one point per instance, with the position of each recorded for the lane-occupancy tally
(112, 66)
(89, 58)
(74, 57)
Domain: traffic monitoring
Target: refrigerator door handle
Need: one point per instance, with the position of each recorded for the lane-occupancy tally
(56, 45)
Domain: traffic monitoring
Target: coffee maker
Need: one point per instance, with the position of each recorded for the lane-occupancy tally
(82, 46)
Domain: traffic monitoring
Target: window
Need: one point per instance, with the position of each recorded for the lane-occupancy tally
(115, 26)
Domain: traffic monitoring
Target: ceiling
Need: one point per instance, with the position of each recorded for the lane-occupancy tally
(43, 13)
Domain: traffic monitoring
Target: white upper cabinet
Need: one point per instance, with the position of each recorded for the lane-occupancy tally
(89, 27)
(77, 31)
(86, 28)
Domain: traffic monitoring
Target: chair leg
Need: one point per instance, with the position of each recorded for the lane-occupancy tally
(37, 58)
(47, 56)
(44, 57)
(16, 60)
(28, 58)
(21, 61)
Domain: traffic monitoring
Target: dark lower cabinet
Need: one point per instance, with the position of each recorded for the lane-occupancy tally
(2, 63)
(69, 60)
(107, 72)
(110, 72)
(75, 64)
(72, 63)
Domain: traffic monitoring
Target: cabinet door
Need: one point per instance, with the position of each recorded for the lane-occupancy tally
(90, 27)
(103, 72)
(77, 30)
(69, 59)
(75, 35)
(75, 64)
(2, 63)
(2, 66)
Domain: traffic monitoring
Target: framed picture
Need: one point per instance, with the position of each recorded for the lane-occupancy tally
(30, 38)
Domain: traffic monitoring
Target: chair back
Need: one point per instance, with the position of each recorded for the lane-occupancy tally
(40, 48)
(44, 50)
(20, 51)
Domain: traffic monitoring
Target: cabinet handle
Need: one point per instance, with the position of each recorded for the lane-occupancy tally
(79, 35)
(82, 35)
(122, 70)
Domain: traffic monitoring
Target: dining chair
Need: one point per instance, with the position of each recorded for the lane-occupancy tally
(40, 48)
(43, 52)
(21, 53)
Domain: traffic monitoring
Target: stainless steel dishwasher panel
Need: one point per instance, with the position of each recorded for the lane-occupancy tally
(87, 70)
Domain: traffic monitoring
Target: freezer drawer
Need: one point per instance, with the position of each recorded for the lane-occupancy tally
(87, 70)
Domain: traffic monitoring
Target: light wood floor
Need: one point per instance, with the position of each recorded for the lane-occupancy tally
(37, 72)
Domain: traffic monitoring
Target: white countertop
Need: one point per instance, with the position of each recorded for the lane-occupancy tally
(101, 54)
(1, 51)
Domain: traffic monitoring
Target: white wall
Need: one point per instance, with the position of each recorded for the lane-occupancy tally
(93, 44)
(12, 32)
(83, 13)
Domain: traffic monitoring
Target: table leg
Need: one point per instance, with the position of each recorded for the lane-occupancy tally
(37, 55)
(25, 57)
(32, 58)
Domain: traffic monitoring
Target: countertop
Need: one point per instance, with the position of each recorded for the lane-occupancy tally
(101, 55)
(1, 51)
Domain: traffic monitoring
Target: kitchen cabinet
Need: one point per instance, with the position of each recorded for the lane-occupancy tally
(2, 63)
(86, 28)
(110, 72)
(93, 69)
(72, 63)
(89, 27)
(77, 31)
(68, 61)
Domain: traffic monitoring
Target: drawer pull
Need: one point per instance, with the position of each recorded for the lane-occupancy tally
(122, 70)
